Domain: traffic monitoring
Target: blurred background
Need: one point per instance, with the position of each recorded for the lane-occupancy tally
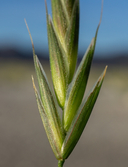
(23, 142)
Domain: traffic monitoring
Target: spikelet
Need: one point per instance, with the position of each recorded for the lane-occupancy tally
(63, 32)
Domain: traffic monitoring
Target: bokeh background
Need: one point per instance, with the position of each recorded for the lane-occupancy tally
(23, 142)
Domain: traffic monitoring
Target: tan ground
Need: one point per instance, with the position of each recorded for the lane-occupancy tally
(23, 142)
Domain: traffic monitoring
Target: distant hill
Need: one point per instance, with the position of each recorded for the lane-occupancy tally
(120, 59)
(10, 53)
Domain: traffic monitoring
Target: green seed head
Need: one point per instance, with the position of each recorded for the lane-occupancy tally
(63, 31)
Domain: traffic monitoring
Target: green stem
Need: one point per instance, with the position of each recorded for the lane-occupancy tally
(60, 163)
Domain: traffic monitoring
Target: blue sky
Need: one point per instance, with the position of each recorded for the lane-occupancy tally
(112, 36)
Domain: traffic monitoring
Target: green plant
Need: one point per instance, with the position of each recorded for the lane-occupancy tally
(69, 86)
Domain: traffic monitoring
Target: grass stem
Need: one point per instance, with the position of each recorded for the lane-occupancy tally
(60, 163)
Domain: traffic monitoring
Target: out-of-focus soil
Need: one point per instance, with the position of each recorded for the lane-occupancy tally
(23, 142)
